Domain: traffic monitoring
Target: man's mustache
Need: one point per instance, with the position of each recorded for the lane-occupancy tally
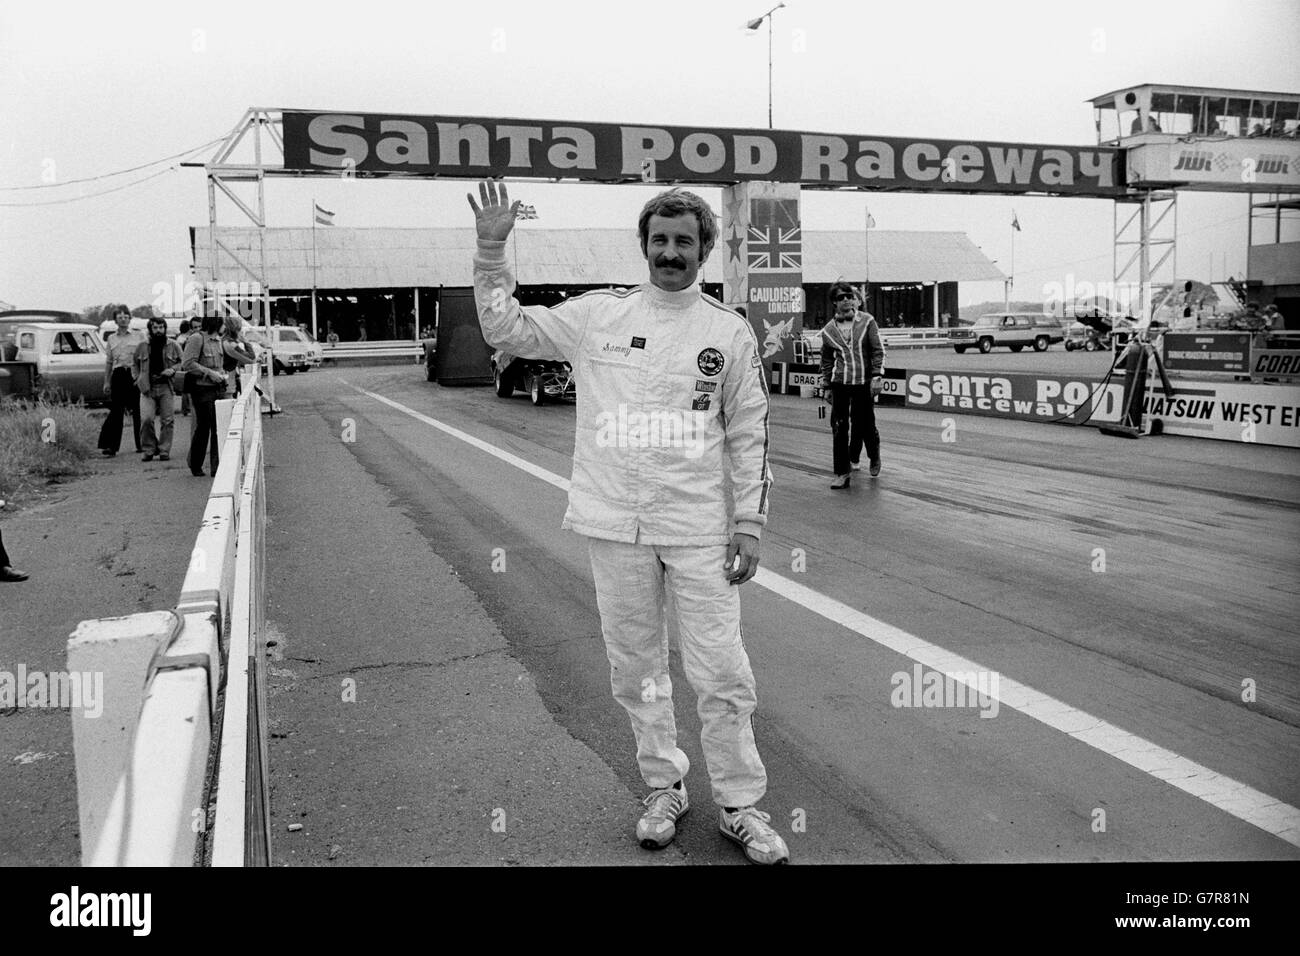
(664, 262)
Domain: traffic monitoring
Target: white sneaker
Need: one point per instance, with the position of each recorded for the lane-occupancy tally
(749, 826)
(658, 825)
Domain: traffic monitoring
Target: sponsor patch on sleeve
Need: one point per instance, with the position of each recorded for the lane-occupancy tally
(638, 342)
(701, 403)
(703, 386)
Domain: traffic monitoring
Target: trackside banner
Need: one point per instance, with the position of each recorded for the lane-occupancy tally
(1265, 414)
(1030, 398)
(469, 147)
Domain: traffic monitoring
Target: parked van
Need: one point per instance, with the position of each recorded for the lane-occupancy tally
(1013, 330)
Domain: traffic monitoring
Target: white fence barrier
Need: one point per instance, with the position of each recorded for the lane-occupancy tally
(142, 774)
(365, 350)
(241, 834)
(914, 338)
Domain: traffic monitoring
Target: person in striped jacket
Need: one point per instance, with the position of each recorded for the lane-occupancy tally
(852, 367)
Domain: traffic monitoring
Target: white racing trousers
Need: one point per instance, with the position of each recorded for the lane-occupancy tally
(632, 581)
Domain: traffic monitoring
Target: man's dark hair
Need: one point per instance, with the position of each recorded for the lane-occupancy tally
(158, 320)
(211, 323)
(679, 202)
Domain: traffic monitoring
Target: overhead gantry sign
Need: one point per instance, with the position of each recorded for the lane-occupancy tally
(384, 144)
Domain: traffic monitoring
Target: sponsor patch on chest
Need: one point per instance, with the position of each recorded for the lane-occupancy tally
(703, 386)
(710, 361)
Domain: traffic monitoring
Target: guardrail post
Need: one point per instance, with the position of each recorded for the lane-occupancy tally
(224, 407)
(119, 649)
(154, 818)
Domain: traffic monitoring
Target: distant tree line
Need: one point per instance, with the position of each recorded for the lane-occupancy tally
(96, 314)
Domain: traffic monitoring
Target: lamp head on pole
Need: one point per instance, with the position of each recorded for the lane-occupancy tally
(758, 21)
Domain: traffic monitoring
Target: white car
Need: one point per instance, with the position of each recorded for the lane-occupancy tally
(294, 349)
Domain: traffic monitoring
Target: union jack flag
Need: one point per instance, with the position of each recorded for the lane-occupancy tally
(775, 248)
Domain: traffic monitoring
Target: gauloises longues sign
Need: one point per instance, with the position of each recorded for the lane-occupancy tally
(470, 147)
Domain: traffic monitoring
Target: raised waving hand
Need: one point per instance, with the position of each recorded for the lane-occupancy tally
(497, 216)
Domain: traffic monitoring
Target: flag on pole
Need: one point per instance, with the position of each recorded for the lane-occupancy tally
(1015, 223)
(871, 221)
(323, 215)
(526, 211)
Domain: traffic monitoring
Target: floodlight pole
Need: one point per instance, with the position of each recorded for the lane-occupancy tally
(754, 25)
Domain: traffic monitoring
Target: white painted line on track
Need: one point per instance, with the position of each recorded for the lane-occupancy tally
(1231, 796)
(527, 466)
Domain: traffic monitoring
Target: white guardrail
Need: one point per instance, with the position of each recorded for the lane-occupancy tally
(183, 725)
(347, 351)
(913, 338)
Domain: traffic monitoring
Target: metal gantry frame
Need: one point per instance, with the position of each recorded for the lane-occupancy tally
(1148, 222)
(222, 175)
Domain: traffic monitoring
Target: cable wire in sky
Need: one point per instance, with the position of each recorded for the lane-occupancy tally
(103, 192)
(120, 172)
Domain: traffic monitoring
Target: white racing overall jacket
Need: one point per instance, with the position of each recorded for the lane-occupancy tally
(672, 431)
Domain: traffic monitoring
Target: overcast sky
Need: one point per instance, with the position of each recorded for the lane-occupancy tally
(87, 90)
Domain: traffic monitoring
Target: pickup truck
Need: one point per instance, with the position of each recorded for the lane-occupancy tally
(68, 360)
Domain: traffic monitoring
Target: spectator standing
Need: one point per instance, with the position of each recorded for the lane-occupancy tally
(191, 327)
(157, 364)
(852, 370)
(205, 376)
(235, 347)
(119, 383)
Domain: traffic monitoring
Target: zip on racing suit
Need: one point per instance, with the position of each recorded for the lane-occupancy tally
(670, 459)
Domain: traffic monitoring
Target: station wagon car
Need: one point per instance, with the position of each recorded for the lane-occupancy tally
(1013, 330)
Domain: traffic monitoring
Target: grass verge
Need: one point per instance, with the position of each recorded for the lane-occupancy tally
(43, 443)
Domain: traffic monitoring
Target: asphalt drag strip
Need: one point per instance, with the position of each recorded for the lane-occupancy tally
(863, 780)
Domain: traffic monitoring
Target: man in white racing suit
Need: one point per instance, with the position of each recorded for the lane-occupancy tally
(670, 486)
